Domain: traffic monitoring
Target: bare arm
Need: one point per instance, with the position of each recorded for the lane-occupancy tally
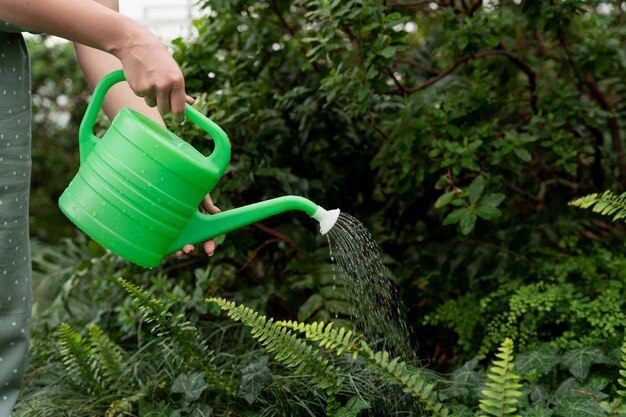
(150, 70)
(95, 64)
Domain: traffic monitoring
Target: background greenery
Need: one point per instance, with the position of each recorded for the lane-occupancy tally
(456, 131)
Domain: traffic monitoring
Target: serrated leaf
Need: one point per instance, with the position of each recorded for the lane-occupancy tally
(475, 189)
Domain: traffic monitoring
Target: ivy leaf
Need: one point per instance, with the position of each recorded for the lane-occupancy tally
(444, 199)
(579, 406)
(463, 381)
(539, 409)
(468, 221)
(476, 188)
(455, 216)
(578, 361)
(191, 386)
(542, 360)
(255, 377)
(354, 406)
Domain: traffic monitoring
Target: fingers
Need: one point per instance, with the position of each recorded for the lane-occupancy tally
(206, 207)
(209, 247)
(167, 93)
(207, 204)
(187, 249)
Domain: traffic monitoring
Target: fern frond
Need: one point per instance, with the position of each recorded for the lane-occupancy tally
(284, 346)
(76, 356)
(622, 372)
(107, 357)
(177, 334)
(606, 203)
(396, 370)
(502, 393)
(324, 334)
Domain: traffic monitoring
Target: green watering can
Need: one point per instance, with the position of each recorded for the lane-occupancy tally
(138, 189)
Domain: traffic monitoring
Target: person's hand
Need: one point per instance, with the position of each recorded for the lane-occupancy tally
(206, 207)
(153, 74)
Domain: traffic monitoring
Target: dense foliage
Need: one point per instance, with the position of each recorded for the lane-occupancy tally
(457, 131)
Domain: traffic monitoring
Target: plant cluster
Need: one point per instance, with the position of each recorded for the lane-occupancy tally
(456, 131)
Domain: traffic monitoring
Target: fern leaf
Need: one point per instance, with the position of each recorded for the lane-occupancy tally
(394, 369)
(607, 203)
(502, 392)
(285, 347)
(106, 356)
(76, 356)
(622, 371)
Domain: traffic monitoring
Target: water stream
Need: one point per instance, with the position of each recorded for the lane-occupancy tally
(370, 288)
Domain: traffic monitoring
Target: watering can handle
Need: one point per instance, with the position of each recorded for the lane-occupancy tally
(220, 156)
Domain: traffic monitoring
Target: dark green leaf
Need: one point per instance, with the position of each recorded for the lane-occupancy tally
(493, 199)
(542, 360)
(579, 405)
(354, 406)
(538, 409)
(455, 216)
(488, 212)
(467, 222)
(522, 154)
(578, 361)
(254, 378)
(475, 189)
(191, 386)
(444, 199)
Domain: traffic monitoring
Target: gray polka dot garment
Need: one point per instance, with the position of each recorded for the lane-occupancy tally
(15, 164)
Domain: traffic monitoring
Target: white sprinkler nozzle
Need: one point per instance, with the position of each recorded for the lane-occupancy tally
(327, 218)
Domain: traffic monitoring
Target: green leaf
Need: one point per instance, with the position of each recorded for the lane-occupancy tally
(462, 42)
(388, 52)
(455, 216)
(191, 386)
(444, 199)
(538, 409)
(468, 221)
(542, 360)
(523, 154)
(492, 199)
(578, 405)
(578, 361)
(476, 188)
(254, 378)
(488, 212)
(354, 406)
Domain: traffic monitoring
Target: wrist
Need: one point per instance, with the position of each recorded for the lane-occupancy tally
(128, 35)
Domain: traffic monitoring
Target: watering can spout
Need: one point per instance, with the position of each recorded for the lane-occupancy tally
(202, 227)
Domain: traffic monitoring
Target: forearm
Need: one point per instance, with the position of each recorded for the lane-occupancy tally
(83, 21)
(95, 64)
